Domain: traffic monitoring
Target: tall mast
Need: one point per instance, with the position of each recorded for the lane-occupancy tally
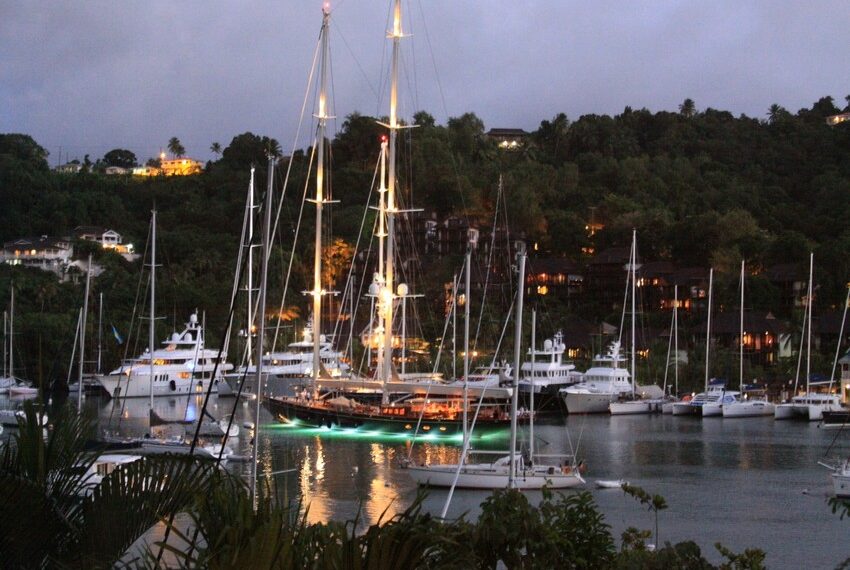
(320, 200)
(261, 325)
(6, 345)
(466, 304)
(152, 302)
(250, 284)
(83, 338)
(533, 373)
(520, 292)
(12, 334)
(741, 333)
(99, 331)
(634, 275)
(708, 325)
(676, 338)
(389, 267)
(809, 332)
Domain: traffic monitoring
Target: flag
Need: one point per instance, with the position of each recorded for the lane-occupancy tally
(116, 335)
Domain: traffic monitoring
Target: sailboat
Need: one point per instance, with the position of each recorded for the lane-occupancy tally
(710, 401)
(750, 407)
(17, 387)
(809, 405)
(671, 398)
(6, 378)
(421, 405)
(633, 403)
(515, 470)
(182, 366)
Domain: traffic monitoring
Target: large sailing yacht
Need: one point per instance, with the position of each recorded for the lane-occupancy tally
(422, 407)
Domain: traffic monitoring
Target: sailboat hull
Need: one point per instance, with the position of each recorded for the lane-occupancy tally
(588, 403)
(494, 476)
(298, 411)
(748, 409)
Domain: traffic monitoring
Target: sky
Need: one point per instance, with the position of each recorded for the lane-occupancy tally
(87, 77)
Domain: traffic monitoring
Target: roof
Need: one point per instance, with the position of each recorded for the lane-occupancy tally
(38, 243)
(506, 133)
(93, 230)
(655, 269)
(612, 255)
(553, 265)
(730, 322)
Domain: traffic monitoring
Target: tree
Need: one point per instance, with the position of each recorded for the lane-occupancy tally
(775, 113)
(423, 119)
(175, 148)
(120, 157)
(247, 149)
(25, 149)
(688, 108)
(215, 148)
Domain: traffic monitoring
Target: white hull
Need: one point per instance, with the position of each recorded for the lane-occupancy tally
(494, 476)
(587, 403)
(748, 409)
(686, 409)
(667, 407)
(841, 485)
(123, 386)
(633, 407)
(810, 412)
(23, 391)
(711, 409)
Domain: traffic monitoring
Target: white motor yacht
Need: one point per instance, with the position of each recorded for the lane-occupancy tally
(749, 408)
(182, 366)
(288, 369)
(548, 372)
(602, 384)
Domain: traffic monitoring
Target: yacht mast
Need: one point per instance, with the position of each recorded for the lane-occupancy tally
(152, 303)
(99, 330)
(741, 333)
(12, 334)
(708, 325)
(809, 332)
(533, 373)
(517, 361)
(466, 304)
(389, 267)
(634, 275)
(250, 283)
(322, 117)
(676, 338)
(261, 325)
(83, 337)
(6, 345)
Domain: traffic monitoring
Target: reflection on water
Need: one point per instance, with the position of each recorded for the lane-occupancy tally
(739, 482)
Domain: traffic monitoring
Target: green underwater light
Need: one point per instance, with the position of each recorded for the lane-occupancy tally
(296, 428)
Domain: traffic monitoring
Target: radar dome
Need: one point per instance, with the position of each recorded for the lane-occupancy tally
(193, 318)
(175, 336)
(374, 289)
(547, 344)
(402, 289)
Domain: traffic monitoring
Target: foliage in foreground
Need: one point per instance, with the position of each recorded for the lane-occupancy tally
(47, 520)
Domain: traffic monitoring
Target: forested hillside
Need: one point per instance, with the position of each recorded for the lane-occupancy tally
(702, 187)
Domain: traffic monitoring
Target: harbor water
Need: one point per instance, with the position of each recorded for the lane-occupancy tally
(746, 483)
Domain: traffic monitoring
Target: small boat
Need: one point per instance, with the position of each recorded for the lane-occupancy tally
(840, 478)
(103, 466)
(610, 483)
(835, 419)
(23, 390)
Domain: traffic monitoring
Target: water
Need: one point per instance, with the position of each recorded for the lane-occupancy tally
(739, 482)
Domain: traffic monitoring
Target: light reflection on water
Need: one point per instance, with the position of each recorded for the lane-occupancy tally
(739, 482)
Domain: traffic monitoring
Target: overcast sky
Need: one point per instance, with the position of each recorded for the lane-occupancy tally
(94, 75)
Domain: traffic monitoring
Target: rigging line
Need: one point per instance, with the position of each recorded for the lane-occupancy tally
(840, 336)
(366, 78)
(239, 260)
(625, 298)
(130, 327)
(489, 265)
(204, 412)
(348, 283)
(292, 252)
(468, 439)
(289, 169)
(360, 291)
